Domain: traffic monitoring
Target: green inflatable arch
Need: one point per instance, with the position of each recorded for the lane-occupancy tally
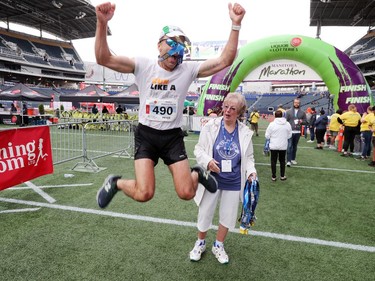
(342, 77)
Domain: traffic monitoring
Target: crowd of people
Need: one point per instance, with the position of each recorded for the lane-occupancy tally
(346, 131)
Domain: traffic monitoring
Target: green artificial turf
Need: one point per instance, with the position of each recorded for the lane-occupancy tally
(326, 198)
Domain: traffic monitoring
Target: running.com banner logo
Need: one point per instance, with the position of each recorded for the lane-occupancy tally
(25, 154)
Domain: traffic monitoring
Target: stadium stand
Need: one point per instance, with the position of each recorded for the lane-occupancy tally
(33, 58)
(350, 13)
(362, 52)
(37, 60)
(267, 103)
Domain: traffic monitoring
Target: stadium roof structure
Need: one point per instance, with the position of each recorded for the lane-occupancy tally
(342, 13)
(66, 19)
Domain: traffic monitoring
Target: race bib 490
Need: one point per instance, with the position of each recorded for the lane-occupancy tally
(161, 109)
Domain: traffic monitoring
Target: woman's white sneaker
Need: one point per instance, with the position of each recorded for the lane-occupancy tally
(220, 254)
(199, 248)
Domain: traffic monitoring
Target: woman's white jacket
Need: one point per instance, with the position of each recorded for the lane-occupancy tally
(204, 151)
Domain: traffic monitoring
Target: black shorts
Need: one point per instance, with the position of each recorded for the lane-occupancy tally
(154, 144)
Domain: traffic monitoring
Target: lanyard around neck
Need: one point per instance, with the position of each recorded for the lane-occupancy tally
(227, 141)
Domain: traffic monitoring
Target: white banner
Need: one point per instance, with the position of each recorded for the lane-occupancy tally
(98, 74)
(283, 70)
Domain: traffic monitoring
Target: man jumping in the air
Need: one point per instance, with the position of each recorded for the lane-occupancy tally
(163, 84)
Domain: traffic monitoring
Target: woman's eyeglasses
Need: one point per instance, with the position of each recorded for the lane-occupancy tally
(231, 108)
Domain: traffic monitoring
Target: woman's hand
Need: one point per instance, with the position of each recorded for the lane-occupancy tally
(213, 166)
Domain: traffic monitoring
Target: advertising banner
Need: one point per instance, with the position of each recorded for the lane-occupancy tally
(25, 154)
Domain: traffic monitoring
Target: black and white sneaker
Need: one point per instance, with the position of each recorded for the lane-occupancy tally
(107, 191)
(205, 178)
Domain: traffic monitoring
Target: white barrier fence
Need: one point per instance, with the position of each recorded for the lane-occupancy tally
(90, 141)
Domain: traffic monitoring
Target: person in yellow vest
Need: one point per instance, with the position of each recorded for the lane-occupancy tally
(366, 134)
(254, 118)
(372, 128)
(351, 120)
(334, 127)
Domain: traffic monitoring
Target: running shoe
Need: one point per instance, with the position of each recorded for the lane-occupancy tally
(205, 178)
(220, 254)
(107, 191)
(198, 250)
(288, 164)
(361, 158)
(294, 162)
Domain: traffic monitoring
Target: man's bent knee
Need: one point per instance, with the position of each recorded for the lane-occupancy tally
(186, 194)
(143, 196)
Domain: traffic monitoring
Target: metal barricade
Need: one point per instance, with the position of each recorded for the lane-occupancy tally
(66, 141)
(103, 138)
(91, 140)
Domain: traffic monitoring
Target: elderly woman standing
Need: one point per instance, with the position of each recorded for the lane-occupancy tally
(225, 148)
(351, 120)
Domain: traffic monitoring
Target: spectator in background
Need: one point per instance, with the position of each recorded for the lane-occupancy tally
(278, 132)
(334, 127)
(320, 129)
(211, 113)
(281, 108)
(254, 118)
(13, 108)
(119, 109)
(350, 119)
(372, 128)
(218, 111)
(312, 124)
(24, 113)
(105, 110)
(308, 117)
(366, 133)
(191, 110)
(358, 145)
(94, 109)
(245, 117)
(296, 118)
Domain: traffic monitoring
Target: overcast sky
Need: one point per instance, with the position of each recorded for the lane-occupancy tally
(136, 24)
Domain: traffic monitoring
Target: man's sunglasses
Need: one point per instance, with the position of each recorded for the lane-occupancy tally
(170, 42)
